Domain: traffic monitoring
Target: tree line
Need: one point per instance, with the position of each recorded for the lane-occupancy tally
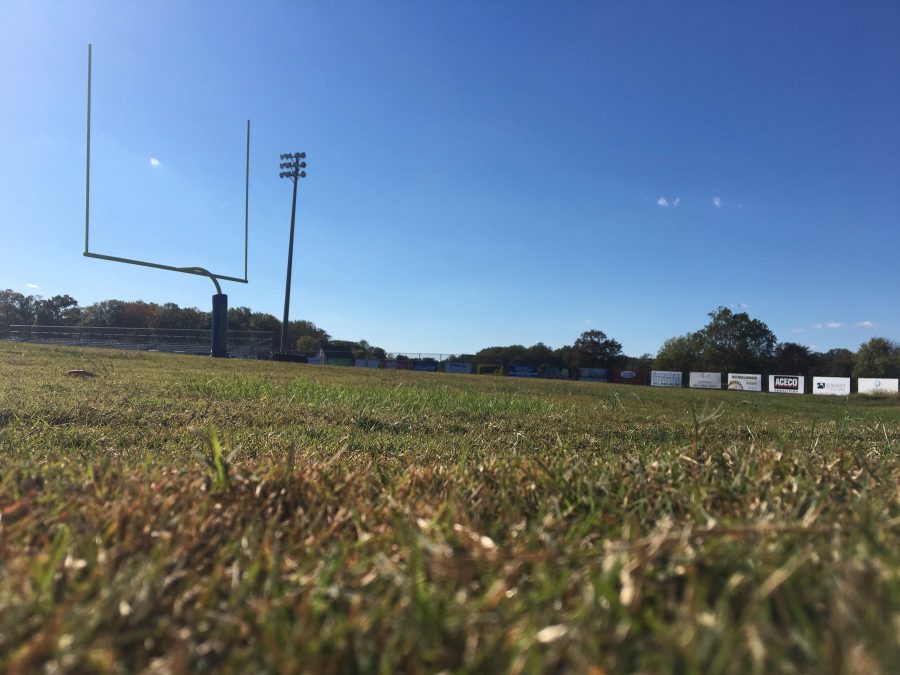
(729, 342)
(733, 342)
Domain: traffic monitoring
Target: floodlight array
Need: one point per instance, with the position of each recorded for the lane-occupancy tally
(292, 165)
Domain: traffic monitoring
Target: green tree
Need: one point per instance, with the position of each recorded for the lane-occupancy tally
(879, 357)
(594, 348)
(105, 313)
(737, 343)
(681, 353)
(730, 342)
(55, 311)
(15, 308)
(541, 355)
(792, 359)
(835, 363)
(505, 356)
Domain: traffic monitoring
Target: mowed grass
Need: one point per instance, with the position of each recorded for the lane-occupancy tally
(183, 514)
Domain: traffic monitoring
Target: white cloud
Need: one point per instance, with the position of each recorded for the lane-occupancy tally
(154, 162)
(30, 285)
(717, 202)
(796, 330)
(866, 324)
(833, 324)
(665, 203)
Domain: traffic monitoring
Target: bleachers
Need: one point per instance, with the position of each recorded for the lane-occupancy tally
(241, 344)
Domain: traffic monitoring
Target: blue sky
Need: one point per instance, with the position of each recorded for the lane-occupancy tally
(480, 173)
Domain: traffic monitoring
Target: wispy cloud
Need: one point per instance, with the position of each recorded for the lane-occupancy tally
(717, 202)
(666, 203)
(30, 285)
(154, 162)
(589, 321)
(840, 324)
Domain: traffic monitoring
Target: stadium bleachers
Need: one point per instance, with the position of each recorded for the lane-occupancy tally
(241, 344)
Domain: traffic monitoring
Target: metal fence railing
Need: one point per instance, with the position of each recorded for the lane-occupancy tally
(241, 343)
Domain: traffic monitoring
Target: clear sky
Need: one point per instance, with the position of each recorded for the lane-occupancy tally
(480, 173)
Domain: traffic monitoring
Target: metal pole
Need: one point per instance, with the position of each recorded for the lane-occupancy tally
(287, 286)
(247, 201)
(87, 179)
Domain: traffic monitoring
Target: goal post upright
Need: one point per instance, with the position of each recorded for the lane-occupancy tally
(219, 300)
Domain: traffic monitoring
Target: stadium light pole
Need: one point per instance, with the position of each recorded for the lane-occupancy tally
(292, 166)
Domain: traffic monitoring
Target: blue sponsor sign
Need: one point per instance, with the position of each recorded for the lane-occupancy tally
(523, 371)
(593, 374)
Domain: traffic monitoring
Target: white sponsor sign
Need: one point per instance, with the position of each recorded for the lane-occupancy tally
(786, 384)
(831, 386)
(665, 378)
(878, 385)
(705, 381)
(744, 382)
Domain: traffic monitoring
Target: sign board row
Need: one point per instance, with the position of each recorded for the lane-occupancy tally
(779, 384)
(736, 381)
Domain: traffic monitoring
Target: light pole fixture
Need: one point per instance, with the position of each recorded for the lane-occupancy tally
(292, 166)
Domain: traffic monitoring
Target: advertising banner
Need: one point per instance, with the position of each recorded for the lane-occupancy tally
(786, 384)
(878, 385)
(489, 369)
(523, 371)
(593, 374)
(831, 386)
(397, 364)
(665, 378)
(705, 381)
(630, 376)
(366, 363)
(425, 366)
(744, 382)
(456, 367)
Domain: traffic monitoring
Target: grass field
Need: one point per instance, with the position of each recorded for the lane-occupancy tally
(181, 514)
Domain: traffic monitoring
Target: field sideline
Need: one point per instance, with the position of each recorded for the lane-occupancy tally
(179, 514)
